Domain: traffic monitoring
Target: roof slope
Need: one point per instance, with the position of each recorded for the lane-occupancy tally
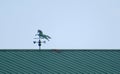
(59, 62)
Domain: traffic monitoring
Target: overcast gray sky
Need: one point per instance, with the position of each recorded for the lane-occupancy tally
(75, 24)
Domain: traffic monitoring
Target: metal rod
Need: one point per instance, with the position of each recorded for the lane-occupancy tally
(39, 43)
(39, 47)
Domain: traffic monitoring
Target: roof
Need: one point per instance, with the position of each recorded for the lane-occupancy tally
(59, 61)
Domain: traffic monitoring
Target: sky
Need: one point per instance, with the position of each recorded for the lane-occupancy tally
(72, 24)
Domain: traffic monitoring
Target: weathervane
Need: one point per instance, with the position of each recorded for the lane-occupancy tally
(41, 36)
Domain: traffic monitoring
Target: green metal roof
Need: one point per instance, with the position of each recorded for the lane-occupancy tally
(59, 62)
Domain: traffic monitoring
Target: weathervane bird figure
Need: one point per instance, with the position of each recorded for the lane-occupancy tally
(41, 36)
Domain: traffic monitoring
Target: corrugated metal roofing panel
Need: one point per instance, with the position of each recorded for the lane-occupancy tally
(59, 61)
